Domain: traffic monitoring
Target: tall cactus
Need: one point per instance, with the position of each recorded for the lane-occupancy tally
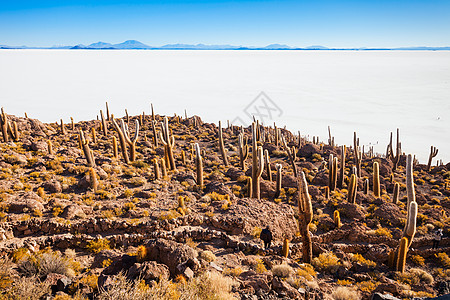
(223, 152)
(357, 151)
(258, 164)
(243, 150)
(376, 179)
(63, 128)
(305, 217)
(352, 189)
(104, 125)
(342, 169)
(285, 250)
(433, 153)
(337, 219)
(291, 155)
(199, 166)
(279, 179)
(123, 142)
(131, 142)
(410, 226)
(87, 151)
(267, 163)
(396, 193)
(402, 251)
(332, 172)
(169, 142)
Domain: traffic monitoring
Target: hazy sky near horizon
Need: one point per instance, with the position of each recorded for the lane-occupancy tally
(331, 23)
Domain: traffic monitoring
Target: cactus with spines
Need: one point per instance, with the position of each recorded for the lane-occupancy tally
(169, 142)
(223, 152)
(199, 166)
(183, 157)
(87, 151)
(72, 123)
(390, 152)
(50, 147)
(327, 192)
(411, 218)
(395, 197)
(131, 141)
(108, 117)
(279, 180)
(305, 217)
(123, 142)
(249, 187)
(401, 257)
(357, 152)
(366, 187)
(267, 163)
(127, 116)
(243, 150)
(114, 146)
(337, 219)
(352, 189)
(93, 179)
(285, 250)
(156, 169)
(291, 155)
(94, 135)
(376, 180)
(332, 172)
(163, 169)
(15, 131)
(63, 128)
(433, 153)
(104, 125)
(258, 164)
(342, 169)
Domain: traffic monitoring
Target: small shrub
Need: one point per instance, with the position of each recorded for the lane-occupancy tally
(260, 267)
(415, 276)
(307, 272)
(235, 272)
(282, 270)
(418, 260)
(95, 246)
(326, 261)
(207, 255)
(444, 259)
(360, 259)
(44, 263)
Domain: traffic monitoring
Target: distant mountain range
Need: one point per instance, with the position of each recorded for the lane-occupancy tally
(133, 44)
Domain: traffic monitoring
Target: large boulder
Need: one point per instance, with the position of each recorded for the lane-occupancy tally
(389, 213)
(26, 203)
(148, 271)
(177, 257)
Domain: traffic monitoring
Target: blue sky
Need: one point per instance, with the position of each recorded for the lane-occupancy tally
(332, 23)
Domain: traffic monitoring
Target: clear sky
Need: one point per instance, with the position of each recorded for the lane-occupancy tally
(332, 23)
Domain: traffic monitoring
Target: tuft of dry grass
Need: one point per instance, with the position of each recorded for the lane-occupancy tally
(209, 285)
(345, 293)
(43, 263)
(207, 255)
(282, 270)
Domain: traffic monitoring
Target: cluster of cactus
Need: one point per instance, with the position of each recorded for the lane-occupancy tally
(397, 258)
(8, 131)
(332, 172)
(243, 150)
(291, 155)
(88, 154)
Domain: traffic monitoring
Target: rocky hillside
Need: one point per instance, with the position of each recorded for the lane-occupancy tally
(154, 207)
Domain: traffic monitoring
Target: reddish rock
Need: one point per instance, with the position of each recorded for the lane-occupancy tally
(389, 213)
(148, 271)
